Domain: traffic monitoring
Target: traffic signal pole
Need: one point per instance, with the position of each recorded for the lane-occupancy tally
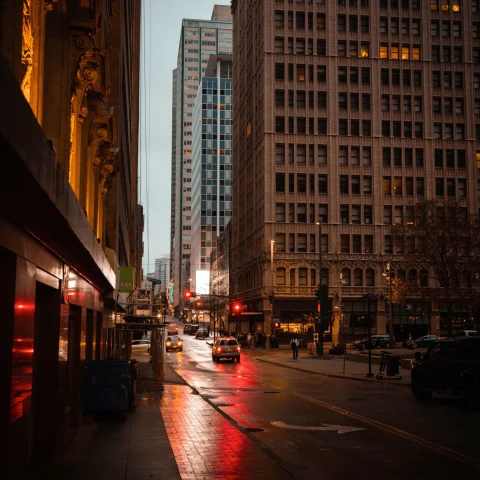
(319, 303)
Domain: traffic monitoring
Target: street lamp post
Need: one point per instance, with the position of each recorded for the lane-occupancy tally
(319, 324)
(272, 247)
(390, 309)
(370, 297)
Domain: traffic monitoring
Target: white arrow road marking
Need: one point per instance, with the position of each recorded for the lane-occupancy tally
(335, 428)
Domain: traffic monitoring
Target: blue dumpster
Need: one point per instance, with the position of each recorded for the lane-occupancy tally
(107, 386)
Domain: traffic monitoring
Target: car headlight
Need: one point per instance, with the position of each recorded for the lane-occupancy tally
(179, 343)
(168, 343)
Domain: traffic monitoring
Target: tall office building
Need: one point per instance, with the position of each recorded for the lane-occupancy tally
(350, 111)
(198, 40)
(211, 163)
(162, 272)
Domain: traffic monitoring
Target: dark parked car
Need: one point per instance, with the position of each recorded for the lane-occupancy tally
(450, 365)
(202, 333)
(193, 329)
(378, 341)
(426, 340)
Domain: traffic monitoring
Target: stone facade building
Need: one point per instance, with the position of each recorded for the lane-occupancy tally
(69, 216)
(348, 112)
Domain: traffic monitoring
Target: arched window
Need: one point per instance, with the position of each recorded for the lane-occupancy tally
(424, 278)
(281, 276)
(412, 275)
(370, 277)
(313, 277)
(402, 274)
(358, 277)
(303, 277)
(292, 277)
(346, 277)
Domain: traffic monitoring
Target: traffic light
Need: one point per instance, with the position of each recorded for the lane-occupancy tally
(322, 297)
(276, 324)
(271, 298)
(236, 308)
(187, 294)
(198, 303)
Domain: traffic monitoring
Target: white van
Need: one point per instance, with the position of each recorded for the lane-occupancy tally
(467, 333)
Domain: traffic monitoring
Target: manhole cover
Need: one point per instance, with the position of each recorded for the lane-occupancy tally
(254, 430)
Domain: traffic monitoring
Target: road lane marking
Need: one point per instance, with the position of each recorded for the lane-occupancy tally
(440, 449)
(341, 429)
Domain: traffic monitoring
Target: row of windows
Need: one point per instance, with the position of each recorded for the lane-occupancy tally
(302, 153)
(402, 26)
(301, 74)
(395, 76)
(449, 105)
(301, 125)
(445, 28)
(354, 103)
(304, 99)
(405, 103)
(356, 211)
(394, 51)
(352, 73)
(400, 186)
(446, 53)
(445, 5)
(410, 129)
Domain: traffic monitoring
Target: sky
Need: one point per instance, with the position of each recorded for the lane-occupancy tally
(160, 39)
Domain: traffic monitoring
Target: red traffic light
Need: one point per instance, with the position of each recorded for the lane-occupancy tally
(237, 307)
(198, 303)
(187, 294)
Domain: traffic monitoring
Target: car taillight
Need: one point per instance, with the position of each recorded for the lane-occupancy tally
(219, 349)
(238, 348)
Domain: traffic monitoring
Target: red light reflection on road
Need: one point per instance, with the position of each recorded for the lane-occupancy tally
(205, 443)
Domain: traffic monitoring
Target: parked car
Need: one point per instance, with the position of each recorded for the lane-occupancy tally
(378, 341)
(450, 365)
(425, 341)
(172, 329)
(202, 333)
(186, 328)
(173, 342)
(226, 347)
(193, 329)
(467, 333)
(140, 346)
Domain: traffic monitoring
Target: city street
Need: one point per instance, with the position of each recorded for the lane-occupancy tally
(300, 425)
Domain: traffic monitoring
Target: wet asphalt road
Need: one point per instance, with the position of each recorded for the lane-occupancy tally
(326, 428)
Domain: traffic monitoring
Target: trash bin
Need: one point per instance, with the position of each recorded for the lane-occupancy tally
(106, 386)
(393, 365)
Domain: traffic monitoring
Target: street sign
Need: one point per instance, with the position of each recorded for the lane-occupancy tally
(340, 429)
(154, 280)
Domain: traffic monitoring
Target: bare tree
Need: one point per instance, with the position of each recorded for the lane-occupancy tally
(445, 239)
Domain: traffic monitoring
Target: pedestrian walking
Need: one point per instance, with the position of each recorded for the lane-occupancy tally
(294, 345)
(263, 340)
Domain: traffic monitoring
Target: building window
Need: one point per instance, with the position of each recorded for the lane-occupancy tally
(280, 212)
(387, 215)
(322, 154)
(387, 186)
(281, 276)
(344, 214)
(344, 184)
(280, 242)
(346, 276)
(345, 243)
(367, 214)
(292, 277)
(356, 214)
(358, 277)
(343, 155)
(280, 153)
(367, 185)
(367, 156)
(280, 124)
(280, 183)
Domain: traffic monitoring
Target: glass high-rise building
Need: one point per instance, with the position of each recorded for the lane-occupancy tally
(198, 40)
(211, 161)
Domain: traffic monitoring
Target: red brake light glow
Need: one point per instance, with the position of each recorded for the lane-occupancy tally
(219, 349)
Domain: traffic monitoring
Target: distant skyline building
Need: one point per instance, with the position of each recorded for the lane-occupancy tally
(198, 40)
(211, 162)
(162, 272)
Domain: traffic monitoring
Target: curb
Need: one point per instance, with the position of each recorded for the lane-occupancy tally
(332, 375)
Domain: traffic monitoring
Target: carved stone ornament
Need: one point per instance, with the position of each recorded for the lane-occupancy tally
(102, 133)
(48, 5)
(83, 42)
(27, 49)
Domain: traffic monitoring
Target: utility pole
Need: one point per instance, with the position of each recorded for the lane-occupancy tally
(390, 310)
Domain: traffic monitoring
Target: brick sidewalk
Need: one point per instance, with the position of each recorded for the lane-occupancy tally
(207, 446)
(136, 449)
